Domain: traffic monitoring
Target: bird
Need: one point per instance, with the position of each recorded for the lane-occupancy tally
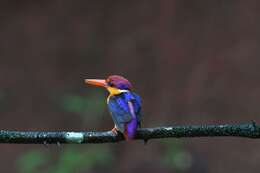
(124, 105)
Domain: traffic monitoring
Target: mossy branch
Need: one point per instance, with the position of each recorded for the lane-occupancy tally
(249, 130)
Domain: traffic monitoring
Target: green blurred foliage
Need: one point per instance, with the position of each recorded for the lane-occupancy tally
(74, 160)
(93, 104)
(32, 161)
(71, 159)
(176, 156)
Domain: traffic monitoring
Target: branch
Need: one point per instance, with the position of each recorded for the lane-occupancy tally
(250, 130)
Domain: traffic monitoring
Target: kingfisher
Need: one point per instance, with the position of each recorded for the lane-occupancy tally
(124, 105)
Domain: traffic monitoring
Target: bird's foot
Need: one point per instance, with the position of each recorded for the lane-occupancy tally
(114, 131)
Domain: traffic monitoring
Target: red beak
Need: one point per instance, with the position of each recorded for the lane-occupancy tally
(96, 82)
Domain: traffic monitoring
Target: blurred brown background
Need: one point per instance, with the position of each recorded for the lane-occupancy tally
(193, 62)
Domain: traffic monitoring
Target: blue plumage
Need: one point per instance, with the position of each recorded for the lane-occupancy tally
(123, 104)
(120, 111)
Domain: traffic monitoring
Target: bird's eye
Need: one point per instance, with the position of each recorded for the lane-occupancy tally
(110, 84)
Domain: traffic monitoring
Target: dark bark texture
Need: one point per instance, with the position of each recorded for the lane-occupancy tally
(249, 130)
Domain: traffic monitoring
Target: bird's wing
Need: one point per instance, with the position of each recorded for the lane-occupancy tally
(137, 107)
(122, 109)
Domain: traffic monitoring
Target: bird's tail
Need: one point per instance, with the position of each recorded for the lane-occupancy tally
(130, 129)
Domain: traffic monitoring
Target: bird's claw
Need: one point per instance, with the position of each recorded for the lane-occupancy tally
(114, 131)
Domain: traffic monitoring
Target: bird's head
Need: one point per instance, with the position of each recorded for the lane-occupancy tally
(115, 84)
